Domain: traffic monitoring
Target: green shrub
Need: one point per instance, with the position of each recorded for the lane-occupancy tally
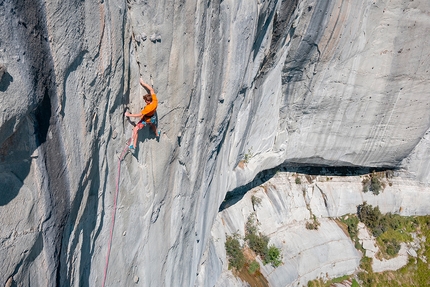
(392, 247)
(273, 256)
(366, 263)
(355, 283)
(366, 275)
(298, 180)
(236, 258)
(258, 243)
(311, 226)
(253, 267)
(314, 224)
(371, 218)
(358, 245)
(248, 156)
(366, 184)
(352, 224)
(373, 183)
(251, 226)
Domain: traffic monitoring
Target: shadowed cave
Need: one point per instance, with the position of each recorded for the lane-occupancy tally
(237, 194)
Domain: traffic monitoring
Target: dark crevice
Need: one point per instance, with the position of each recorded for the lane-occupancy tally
(235, 195)
(263, 24)
(43, 116)
(280, 29)
(303, 55)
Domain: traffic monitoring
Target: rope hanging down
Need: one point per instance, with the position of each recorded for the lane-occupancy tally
(124, 152)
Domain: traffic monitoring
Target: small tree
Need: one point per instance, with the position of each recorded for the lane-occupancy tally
(256, 201)
(236, 258)
(259, 242)
(371, 218)
(375, 185)
(248, 156)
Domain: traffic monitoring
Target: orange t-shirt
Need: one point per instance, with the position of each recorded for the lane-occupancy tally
(150, 109)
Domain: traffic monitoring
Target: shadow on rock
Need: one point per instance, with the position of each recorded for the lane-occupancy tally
(5, 80)
(15, 161)
(10, 187)
(235, 195)
(16, 153)
(325, 170)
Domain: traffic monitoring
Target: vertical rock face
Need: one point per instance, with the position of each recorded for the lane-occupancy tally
(313, 82)
(64, 83)
(358, 75)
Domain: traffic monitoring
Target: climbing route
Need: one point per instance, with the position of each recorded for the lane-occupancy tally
(120, 159)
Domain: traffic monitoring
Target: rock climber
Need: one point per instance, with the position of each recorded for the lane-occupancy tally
(147, 115)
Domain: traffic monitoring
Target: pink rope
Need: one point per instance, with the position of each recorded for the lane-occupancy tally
(114, 212)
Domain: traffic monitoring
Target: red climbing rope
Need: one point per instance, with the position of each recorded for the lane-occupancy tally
(114, 210)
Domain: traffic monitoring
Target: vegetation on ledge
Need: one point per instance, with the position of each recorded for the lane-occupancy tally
(241, 258)
(389, 228)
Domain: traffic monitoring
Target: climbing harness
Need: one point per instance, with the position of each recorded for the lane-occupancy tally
(120, 159)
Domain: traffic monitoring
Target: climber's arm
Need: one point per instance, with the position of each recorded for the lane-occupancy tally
(127, 114)
(147, 87)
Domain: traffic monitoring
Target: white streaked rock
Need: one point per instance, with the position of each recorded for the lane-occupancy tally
(324, 253)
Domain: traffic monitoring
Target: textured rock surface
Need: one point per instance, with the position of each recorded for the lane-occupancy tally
(315, 82)
(59, 98)
(324, 253)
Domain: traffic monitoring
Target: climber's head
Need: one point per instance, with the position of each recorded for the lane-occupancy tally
(147, 98)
